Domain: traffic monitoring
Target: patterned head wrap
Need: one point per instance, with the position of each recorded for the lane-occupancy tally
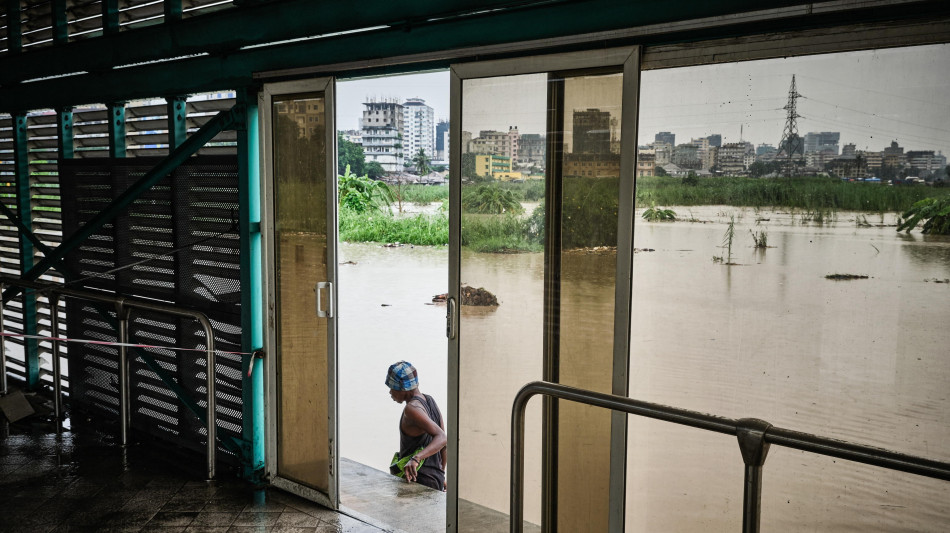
(402, 376)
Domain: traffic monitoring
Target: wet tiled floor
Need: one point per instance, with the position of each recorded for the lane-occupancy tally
(80, 480)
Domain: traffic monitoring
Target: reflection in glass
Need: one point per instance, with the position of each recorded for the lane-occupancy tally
(500, 345)
(590, 170)
(788, 295)
(301, 248)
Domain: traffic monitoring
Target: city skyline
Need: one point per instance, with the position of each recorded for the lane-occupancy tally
(872, 98)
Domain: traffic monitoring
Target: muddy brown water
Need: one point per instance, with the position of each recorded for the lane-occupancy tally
(865, 360)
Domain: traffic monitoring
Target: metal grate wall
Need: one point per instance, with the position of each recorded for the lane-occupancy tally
(196, 203)
(83, 18)
(10, 251)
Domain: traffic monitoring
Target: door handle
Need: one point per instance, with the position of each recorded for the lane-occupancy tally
(450, 311)
(329, 311)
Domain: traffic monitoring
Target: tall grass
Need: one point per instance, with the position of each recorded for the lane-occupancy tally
(424, 194)
(803, 193)
(380, 226)
(493, 233)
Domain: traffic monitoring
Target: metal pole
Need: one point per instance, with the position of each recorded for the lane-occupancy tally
(122, 313)
(3, 351)
(212, 399)
(57, 372)
(751, 435)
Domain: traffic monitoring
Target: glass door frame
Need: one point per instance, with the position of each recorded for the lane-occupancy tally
(628, 59)
(325, 85)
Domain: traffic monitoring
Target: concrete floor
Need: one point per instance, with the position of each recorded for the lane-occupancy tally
(80, 480)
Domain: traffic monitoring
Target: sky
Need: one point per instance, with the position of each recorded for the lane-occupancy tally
(870, 97)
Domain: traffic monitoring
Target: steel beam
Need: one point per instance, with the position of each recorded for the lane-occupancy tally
(25, 222)
(252, 291)
(222, 121)
(177, 111)
(110, 16)
(231, 29)
(172, 10)
(14, 28)
(60, 23)
(64, 123)
(116, 114)
(432, 45)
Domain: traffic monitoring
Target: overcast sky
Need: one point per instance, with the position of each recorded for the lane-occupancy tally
(871, 98)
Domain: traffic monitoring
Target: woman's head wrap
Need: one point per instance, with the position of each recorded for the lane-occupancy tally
(402, 376)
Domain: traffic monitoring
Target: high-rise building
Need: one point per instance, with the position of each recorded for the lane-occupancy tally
(715, 140)
(496, 143)
(442, 140)
(825, 141)
(418, 129)
(665, 137)
(381, 128)
(591, 133)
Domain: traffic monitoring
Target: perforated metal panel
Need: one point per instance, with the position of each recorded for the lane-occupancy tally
(199, 200)
(10, 251)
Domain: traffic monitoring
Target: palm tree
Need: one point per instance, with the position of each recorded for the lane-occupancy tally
(421, 162)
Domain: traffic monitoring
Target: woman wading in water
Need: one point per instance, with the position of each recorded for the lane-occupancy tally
(422, 454)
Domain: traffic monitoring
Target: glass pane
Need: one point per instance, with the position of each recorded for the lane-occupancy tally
(500, 346)
(771, 282)
(590, 166)
(301, 247)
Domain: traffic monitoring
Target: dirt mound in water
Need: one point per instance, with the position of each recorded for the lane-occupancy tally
(479, 296)
(472, 296)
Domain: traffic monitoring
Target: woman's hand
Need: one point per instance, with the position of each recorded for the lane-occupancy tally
(410, 469)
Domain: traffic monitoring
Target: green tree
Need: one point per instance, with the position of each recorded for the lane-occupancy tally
(493, 200)
(660, 171)
(359, 193)
(374, 170)
(468, 166)
(350, 154)
(421, 161)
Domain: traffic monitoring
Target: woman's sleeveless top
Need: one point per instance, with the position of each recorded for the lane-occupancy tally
(431, 474)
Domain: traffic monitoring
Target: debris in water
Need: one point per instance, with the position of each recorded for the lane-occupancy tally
(935, 280)
(348, 263)
(844, 277)
(471, 296)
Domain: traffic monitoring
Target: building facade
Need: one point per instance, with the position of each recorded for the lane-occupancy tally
(418, 129)
(382, 132)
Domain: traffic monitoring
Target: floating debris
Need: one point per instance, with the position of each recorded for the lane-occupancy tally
(479, 296)
(348, 263)
(638, 250)
(935, 280)
(393, 245)
(845, 277)
(471, 296)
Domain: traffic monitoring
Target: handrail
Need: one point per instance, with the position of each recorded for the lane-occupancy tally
(124, 306)
(754, 437)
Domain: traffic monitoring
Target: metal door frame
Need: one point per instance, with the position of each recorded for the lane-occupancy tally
(628, 58)
(326, 85)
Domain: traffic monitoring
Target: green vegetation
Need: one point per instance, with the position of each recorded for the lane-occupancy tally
(802, 193)
(350, 154)
(760, 238)
(658, 214)
(381, 226)
(505, 233)
(421, 162)
(589, 211)
(360, 194)
(935, 212)
(492, 200)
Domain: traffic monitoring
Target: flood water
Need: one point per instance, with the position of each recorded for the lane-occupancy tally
(768, 336)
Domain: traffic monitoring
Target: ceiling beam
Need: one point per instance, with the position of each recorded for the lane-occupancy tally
(444, 41)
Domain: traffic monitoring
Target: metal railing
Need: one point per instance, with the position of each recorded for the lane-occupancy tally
(754, 437)
(123, 306)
